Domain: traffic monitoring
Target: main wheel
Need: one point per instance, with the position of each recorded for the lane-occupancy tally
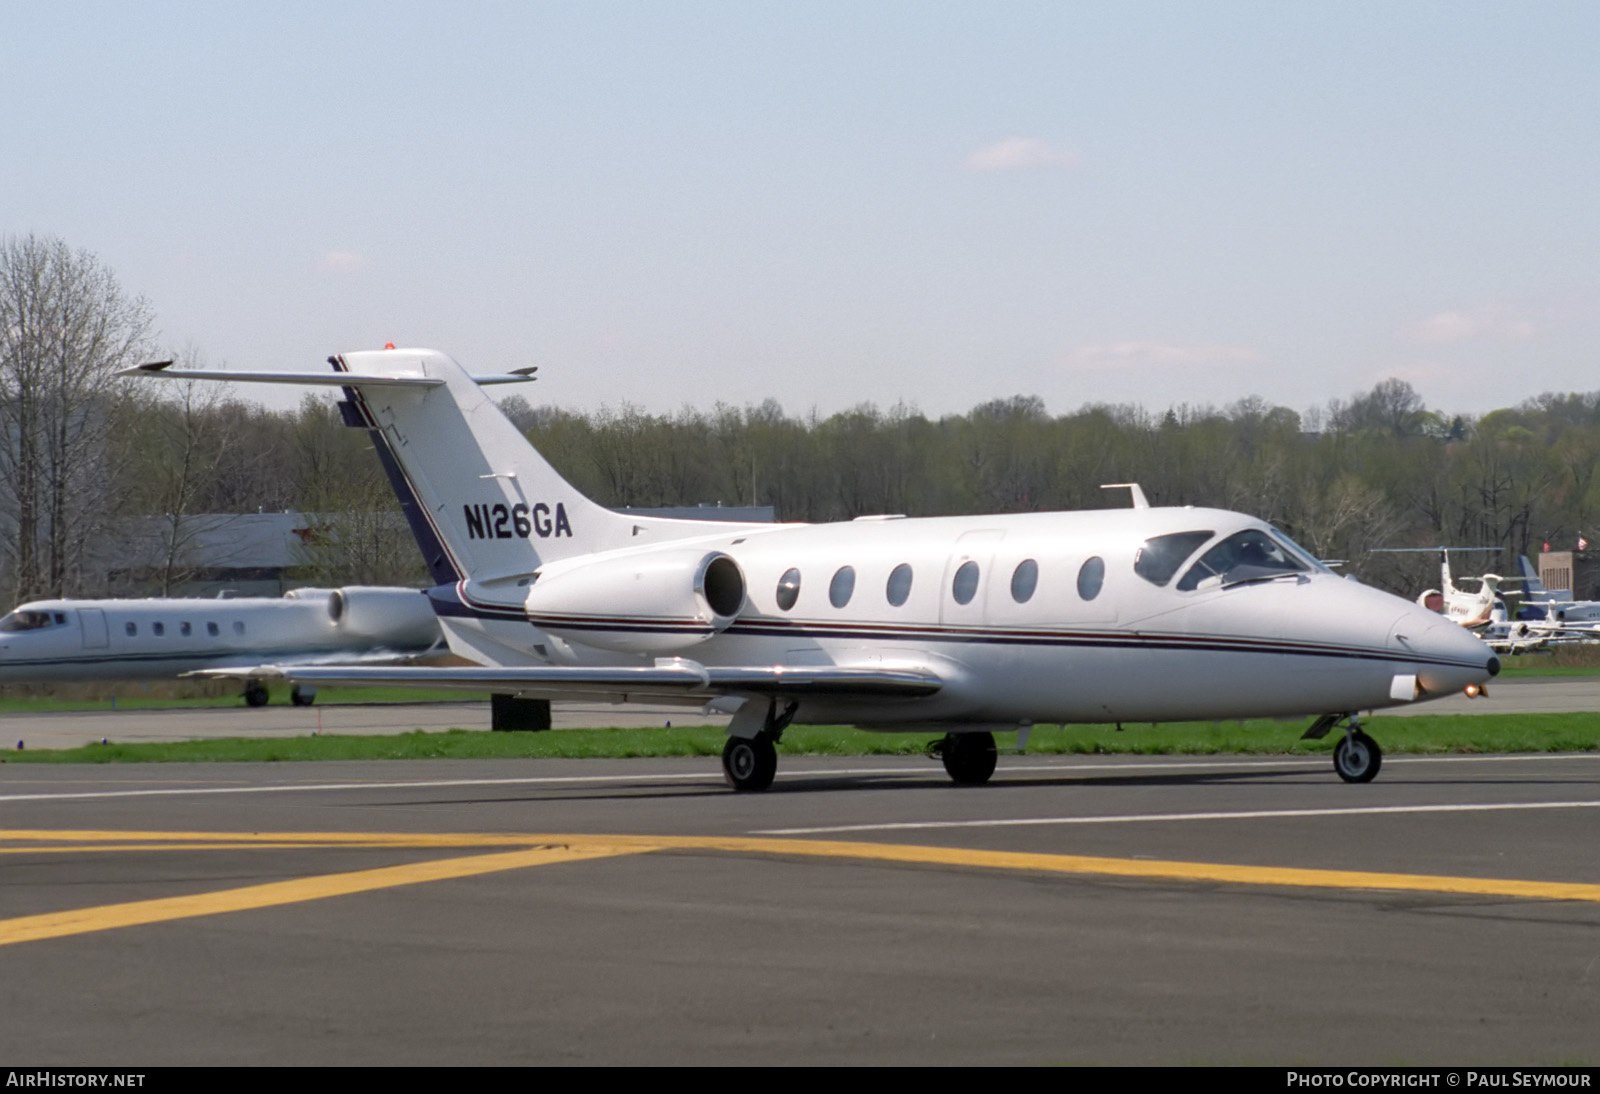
(255, 694)
(749, 763)
(969, 757)
(1357, 758)
(302, 696)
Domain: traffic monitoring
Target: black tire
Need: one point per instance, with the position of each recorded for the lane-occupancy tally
(255, 694)
(749, 763)
(302, 696)
(969, 757)
(1357, 758)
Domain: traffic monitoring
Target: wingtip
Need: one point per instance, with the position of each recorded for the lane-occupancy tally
(148, 366)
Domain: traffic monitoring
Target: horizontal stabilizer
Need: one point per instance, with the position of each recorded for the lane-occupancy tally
(161, 370)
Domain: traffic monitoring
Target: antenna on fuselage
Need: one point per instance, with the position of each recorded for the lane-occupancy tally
(1139, 500)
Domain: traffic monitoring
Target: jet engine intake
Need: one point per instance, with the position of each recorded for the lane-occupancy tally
(649, 602)
(385, 617)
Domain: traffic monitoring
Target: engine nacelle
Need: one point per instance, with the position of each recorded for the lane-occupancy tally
(401, 619)
(651, 601)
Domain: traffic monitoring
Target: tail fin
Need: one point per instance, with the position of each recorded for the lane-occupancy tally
(482, 503)
(481, 499)
(1532, 587)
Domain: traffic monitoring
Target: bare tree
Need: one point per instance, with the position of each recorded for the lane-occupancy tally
(65, 329)
(180, 438)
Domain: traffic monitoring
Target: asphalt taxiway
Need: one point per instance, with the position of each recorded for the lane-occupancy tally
(1075, 910)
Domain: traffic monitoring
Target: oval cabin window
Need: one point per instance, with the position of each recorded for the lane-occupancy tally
(788, 589)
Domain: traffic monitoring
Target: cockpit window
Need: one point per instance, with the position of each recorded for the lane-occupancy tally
(1161, 556)
(1296, 551)
(30, 621)
(1244, 556)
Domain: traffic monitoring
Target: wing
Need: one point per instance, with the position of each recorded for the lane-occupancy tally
(676, 680)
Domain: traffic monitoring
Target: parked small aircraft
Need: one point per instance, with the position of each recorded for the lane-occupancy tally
(1469, 609)
(1581, 618)
(139, 639)
(953, 625)
(1543, 620)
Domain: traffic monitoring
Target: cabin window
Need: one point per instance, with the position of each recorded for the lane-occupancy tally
(1024, 580)
(158, 629)
(61, 617)
(1091, 576)
(213, 630)
(185, 629)
(899, 585)
(965, 585)
(238, 626)
(842, 586)
(130, 629)
(1250, 555)
(1161, 556)
(788, 589)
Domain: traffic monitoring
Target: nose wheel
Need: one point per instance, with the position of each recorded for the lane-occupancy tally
(1357, 757)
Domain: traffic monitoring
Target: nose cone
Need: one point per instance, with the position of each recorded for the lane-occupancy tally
(1445, 656)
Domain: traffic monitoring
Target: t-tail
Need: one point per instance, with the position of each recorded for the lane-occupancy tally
(484, 505)
(1532, 587)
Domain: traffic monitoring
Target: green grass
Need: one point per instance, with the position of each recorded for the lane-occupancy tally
(1421, 734)
(1577, 660)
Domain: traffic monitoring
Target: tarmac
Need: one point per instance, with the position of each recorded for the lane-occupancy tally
(1076, 910)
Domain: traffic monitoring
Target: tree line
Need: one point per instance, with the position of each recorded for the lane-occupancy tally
(1379, 469)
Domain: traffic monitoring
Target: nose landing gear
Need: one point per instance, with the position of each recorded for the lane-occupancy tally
(1356, 758)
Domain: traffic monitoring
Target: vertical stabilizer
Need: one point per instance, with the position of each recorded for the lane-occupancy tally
(1532, 587)
(483, 503)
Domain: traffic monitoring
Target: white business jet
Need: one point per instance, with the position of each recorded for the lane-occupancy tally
(1468, 609)
(141, 639)
(955, 625)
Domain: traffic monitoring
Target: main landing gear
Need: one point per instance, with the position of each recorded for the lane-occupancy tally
(969, 758)
(255, 694)
(750, 759)
(749, 763)
(1356, 758)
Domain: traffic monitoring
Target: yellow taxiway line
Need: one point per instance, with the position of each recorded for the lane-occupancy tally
(518, 851)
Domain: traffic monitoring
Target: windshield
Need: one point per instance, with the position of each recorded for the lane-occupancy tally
(1297, 551)
(29, 621)
(1251, 555)
(1161, 556)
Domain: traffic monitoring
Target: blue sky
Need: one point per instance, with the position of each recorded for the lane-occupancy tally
(833, 203)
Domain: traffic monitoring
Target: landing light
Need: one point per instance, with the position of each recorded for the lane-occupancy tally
(1474, 691)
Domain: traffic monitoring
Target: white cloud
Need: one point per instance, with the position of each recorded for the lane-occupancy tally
(1019, 154)
(341, 261)
(1462, 326)
(1118, 355)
